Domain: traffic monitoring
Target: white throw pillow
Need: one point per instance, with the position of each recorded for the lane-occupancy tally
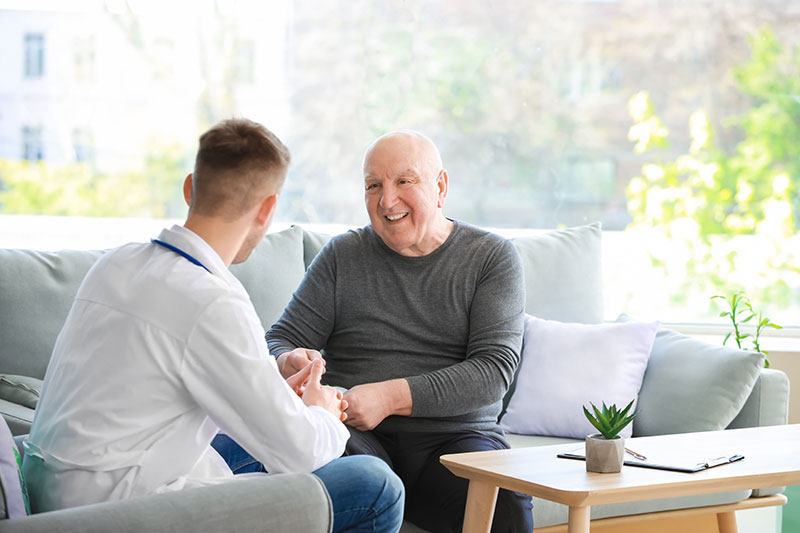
(565, 366)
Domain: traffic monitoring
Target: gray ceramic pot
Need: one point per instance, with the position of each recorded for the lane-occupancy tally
(604, 456)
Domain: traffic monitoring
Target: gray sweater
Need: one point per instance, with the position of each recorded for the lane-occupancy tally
(449, 322)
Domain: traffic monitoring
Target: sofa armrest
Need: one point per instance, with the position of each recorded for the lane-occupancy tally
(279, 502)
(767, 405)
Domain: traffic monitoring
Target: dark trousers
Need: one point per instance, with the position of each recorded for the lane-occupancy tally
(436, 498)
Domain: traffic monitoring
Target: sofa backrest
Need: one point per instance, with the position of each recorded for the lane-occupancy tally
(37, 290)
(562, 276)
(36, 293)
(563, 272)
(272, 272)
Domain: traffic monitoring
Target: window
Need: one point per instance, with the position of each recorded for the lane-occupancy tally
(245, 61)
(678, 132)
(83, 145)
(84, 59)
(163, 59)
(34, 55)
(32, 145)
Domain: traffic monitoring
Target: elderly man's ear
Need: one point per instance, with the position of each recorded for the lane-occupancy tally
(441, 183)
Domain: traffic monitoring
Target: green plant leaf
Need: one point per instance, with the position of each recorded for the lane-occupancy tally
(609, 421)
(624, 412)
(599, 416)
(593, 421)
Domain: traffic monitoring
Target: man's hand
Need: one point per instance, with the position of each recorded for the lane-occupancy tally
(323, 396)
(290, 363)
(371, 403)
(298, 381)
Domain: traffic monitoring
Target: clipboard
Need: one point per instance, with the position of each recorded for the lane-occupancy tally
(688, 467)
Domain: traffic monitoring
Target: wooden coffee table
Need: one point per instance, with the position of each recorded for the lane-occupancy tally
(772, 458)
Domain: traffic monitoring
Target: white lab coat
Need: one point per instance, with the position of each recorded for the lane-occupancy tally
(155, 356)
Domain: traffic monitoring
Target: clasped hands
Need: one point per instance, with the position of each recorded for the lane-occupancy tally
(363, 406)
(305, 381)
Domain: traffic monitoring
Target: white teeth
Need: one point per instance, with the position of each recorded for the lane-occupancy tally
(396, 217)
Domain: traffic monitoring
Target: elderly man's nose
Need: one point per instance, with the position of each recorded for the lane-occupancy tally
(388, 197)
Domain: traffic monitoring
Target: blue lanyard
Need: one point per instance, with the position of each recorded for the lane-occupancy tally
(178, 251)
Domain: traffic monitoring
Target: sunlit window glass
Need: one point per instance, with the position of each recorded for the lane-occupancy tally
(675, 124)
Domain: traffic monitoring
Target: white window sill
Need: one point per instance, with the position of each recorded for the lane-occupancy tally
(786, 340)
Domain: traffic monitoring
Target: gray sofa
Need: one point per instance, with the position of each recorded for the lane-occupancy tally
(563, 282)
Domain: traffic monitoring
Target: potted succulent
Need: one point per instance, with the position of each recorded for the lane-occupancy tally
(605, 451)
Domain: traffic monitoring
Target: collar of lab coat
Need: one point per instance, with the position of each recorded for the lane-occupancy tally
(194, 245)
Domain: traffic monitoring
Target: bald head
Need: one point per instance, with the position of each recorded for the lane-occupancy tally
(408, 145)
(404, 190)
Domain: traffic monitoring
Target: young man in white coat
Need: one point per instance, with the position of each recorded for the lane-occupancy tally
(162, 346)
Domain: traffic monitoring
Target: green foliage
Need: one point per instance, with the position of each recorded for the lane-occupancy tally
(704, 200)
(74, 189)
(756, 189)
(609, 421)
(739, 305)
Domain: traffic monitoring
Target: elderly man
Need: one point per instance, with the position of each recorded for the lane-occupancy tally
(420, 318)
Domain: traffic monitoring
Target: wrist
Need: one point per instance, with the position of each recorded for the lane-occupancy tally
(399, 397)
(281, 362)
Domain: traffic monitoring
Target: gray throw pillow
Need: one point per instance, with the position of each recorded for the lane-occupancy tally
(272, 273)
(37, 290)
(691, 385)
(563, 274)
(21, 390)
(313, 242)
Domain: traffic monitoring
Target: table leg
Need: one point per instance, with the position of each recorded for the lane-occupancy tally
(578, 519)
(481, 499)
(727, 522)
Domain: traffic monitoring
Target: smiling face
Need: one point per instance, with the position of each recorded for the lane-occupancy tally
(404, 190)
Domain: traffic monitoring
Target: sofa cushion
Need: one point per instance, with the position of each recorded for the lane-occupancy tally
(272, 273)
(22, 390)
(13, 493)
(38, 289)
(691, 385)
(563, 274)
(18, 417)
(313, 241)
(565, 366)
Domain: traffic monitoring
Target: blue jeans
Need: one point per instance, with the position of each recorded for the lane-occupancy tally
(365, 493)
